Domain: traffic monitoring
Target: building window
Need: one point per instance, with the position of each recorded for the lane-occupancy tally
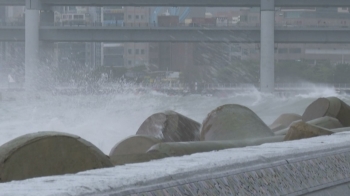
(141, 16)
(129, 17)
(136, 51)
(129, 62)
(142, 51)
(71, 8)
(129, 51)
(137, 17)
(295, 50)
(283, 51)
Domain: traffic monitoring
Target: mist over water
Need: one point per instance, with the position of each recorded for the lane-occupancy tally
(104, 120)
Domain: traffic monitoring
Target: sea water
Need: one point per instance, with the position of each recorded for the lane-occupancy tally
(106, 119)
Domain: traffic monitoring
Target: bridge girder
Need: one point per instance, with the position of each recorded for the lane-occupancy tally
(185, 3)
(249, 35)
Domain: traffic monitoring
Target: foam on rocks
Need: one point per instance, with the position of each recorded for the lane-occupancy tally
(46, 154)
(233, 122)
(170, 126)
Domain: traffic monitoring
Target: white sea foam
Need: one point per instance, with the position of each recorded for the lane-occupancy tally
(105, 120)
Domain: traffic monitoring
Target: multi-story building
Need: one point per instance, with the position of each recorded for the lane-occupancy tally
(112, 53)
(113, 16)
(183, 57)
(136, 54)
(294, 18)
(78, 54)
(11, 53)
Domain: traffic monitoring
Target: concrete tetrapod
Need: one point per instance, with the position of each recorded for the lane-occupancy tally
(133, 150)
(47, 154)
(301, 130)
(331, 106)
(325, 122)
(186, 148)
(170, 126)
(339, 130)
(233, 122)
(284, 121)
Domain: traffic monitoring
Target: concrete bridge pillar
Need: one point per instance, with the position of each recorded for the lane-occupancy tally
(267, 53)
(46, 52)
(32, 23)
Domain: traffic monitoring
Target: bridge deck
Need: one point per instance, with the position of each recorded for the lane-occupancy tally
(177, 34)
(187, 3)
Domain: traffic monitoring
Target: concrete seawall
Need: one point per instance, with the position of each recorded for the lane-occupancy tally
(324, 172)
(315, 166)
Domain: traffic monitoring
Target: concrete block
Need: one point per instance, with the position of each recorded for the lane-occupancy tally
(132, 149)
(284, 121)
(233, 122)
(331, 106)
(47, 154)
(187, 148)
(170, 126)
(325, 122)
(302, 130)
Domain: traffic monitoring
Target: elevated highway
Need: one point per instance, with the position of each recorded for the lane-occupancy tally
(185, 3)
(33, 32)
(177, 34)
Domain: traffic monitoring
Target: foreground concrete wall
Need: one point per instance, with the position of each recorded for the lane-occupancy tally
(323, 173)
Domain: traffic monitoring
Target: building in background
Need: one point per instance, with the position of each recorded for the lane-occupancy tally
(113, 16)
(11, 53)
(112, 54)
(178, 57)
(291, 18)
(84, 55)
(136, 54)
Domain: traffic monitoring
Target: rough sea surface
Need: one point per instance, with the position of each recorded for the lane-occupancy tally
(105, 120)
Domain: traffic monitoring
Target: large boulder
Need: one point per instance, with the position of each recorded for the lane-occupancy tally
(284, 121)
(132, 149)
(47, 154)
(170, 126)
(233, 122)
(302, 130)
(331, 106)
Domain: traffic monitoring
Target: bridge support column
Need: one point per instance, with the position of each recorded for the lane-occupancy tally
(46, 53)
(32, 22)
(267, 53)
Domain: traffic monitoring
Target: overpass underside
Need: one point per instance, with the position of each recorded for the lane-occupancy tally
(88, 34)
(185, 3)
